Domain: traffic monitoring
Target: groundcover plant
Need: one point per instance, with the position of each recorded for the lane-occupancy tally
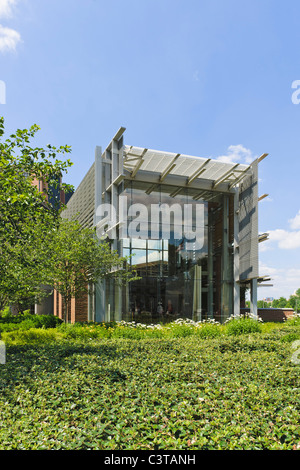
(69, 388)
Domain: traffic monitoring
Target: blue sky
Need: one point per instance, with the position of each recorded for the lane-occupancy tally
(209, 78)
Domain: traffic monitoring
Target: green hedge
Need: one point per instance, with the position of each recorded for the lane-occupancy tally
(172, 393)
(26, 321)
(17, 333)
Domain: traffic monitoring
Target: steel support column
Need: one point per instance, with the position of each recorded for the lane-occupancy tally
(236, 257)
(253, 298)
(210, 295)
(225, 282)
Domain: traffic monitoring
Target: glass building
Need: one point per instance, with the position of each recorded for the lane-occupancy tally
(188, 224)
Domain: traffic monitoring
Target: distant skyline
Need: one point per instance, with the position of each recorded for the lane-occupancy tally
(208, 78)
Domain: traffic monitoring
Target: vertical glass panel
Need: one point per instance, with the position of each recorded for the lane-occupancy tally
(139, 257)
(154, 255)
(155, 244)
(181, 266)
(136, 243)
(126, 252)
(126, 242)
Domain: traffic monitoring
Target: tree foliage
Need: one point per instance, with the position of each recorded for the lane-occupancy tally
(292, 302)
(37, 246)
(80, 259)
(26, 216)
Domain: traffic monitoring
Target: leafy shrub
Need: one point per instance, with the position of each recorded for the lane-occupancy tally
(8, 317)
(27, 320)
(127, 332)
(177, 330)
(242, 325)
(290, 337)
(237, 344)
(30, 336)
(209, 331)
(155, 394)
(6, 313)
(295, 320)
(181, 328)
(9, 326)
(46, 321)
(83, 331)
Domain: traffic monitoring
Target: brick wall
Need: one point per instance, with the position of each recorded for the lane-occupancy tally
(78, 308)
(81, 308)
(272, 314)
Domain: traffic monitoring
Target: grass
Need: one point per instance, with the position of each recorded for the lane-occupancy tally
(127, 386)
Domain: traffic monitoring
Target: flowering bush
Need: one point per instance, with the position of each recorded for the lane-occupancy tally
(180, 328)
(243, 324)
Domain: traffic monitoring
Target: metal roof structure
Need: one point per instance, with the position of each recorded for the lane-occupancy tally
(192, 168)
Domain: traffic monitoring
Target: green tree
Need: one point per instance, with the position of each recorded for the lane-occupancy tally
(23, 271)
(280, 303)
(80, 259)
(294, 300)
(263, 304)
(26, 216)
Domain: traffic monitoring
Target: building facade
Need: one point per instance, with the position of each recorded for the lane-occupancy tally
(188, 224)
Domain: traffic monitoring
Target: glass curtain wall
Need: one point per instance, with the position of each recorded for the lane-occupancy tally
(182, 251)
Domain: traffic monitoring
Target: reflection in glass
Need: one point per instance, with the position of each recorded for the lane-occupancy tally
(136, 243)
(180, 265)
(139, 257)
(155, 244)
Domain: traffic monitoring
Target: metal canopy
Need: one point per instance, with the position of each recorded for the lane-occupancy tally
(164, 163)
